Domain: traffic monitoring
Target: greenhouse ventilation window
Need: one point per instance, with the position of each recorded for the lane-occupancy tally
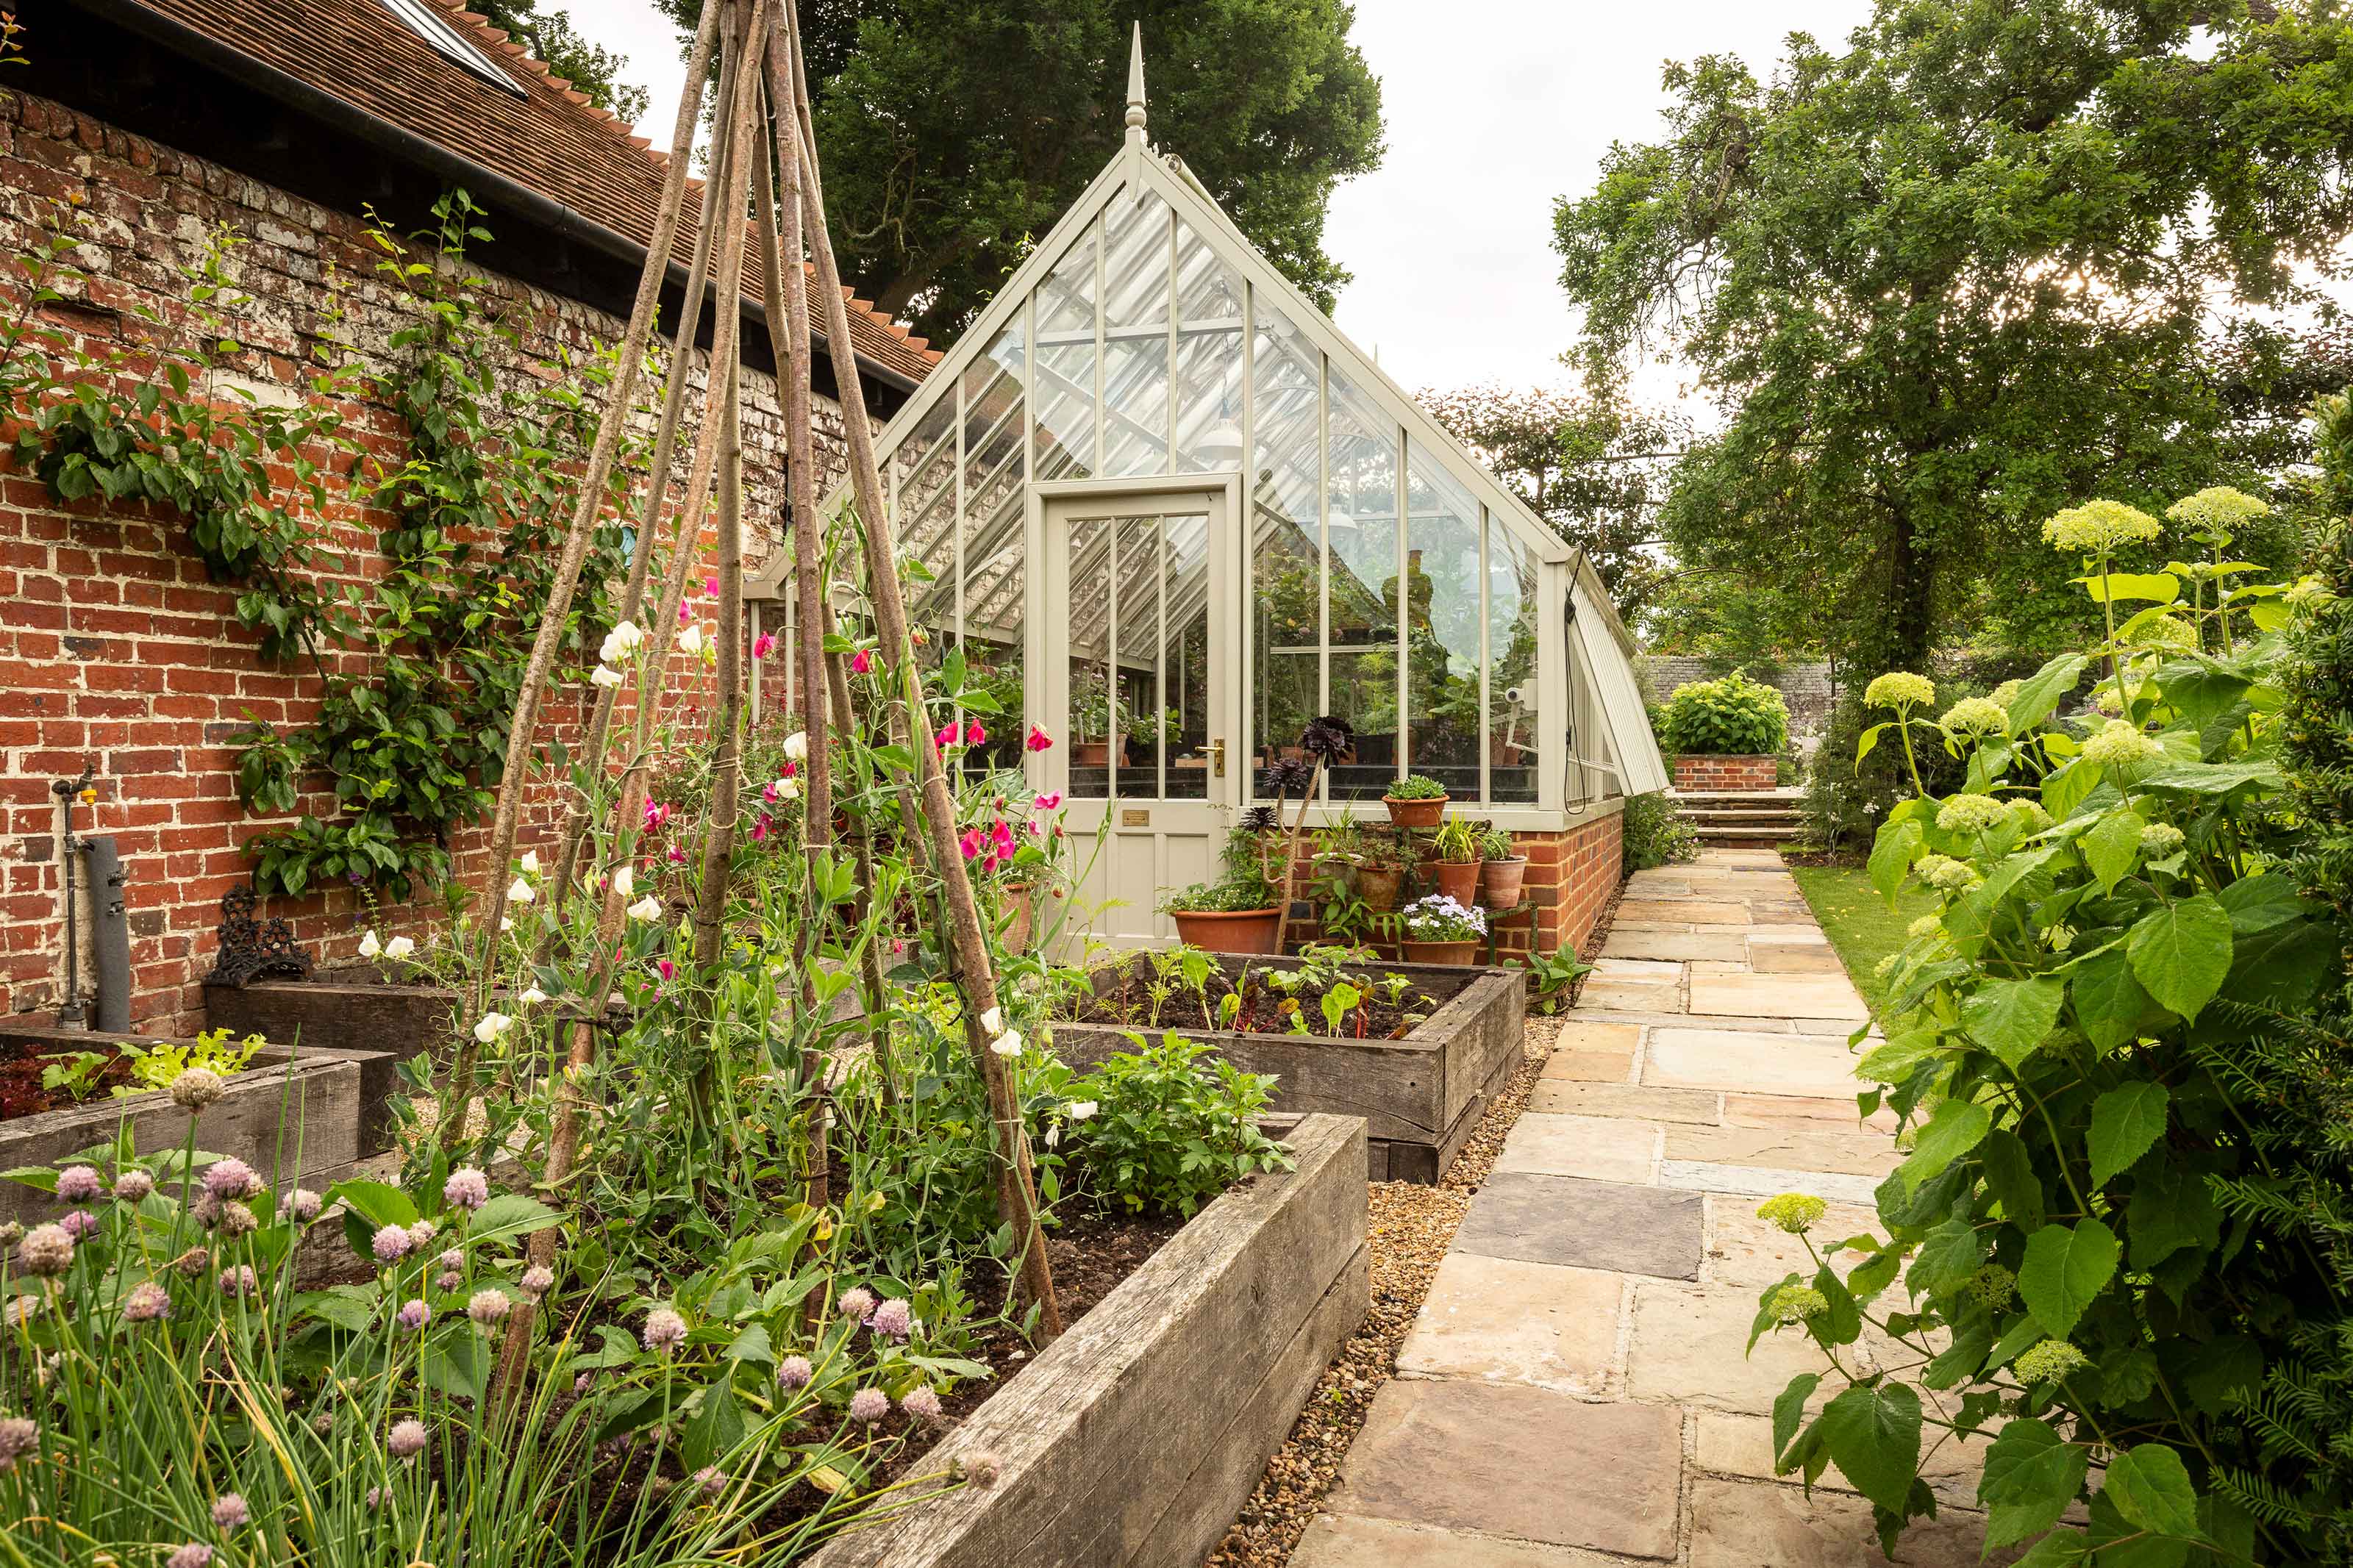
(433, 28)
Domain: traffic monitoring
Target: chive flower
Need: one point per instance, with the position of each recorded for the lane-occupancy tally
(134, 1185)
(413, 1315)
(406, 1439)
(856, 1302)
(47, 1250)
(467, 1189)
(982, 1469)
(665, 1330)
(230, 1511)
(80, 1184)
(240, 1280)
(79, 1224)
(145, 1303)
(922, 1403)
(893, 1317)
(231, 1178)
(488, 1307)
(869, 1405)
(196, 1088)
(18, 1436)
(301, 1205)
(194, 1554)
(793, 1372)
(391, 1245)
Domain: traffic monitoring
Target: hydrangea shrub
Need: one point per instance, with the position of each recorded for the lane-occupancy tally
(1734, 716)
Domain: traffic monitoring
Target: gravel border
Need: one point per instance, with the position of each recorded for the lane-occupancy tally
(1409, 1230)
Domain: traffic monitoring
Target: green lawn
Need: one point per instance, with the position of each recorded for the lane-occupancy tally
(1857, 921)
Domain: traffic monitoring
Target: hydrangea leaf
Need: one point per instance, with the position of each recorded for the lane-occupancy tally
(2011, 1178)
(2043, 691)
(2032, 1474)
(2150, 1487)
(1789, 1414)
(1873, 1435)
(1952, 1132)
(2200, 693)
(2171, 1209)
(2116, 587)
(1948, 1255)
(1892, 854)
(2112, 848)
(2259, 903)
(2125, 1122)
(2181, 951)
(2109, 1002)
(2065, 1267)
(2281, 967)
(2213, 778)
(2060, 1549)
(2010, 1017)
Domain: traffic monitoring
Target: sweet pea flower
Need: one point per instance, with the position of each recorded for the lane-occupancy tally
(763, 645)
(656, 815)
(520, 892)
(533, 997)
(946, 737)
(789, 788)
(604, 675)
(970, 843)
(711, 586)
(624, 881)
(1039, 739)
(788, 768)
(677, 857)
(369, 946)
(690, 642)
(530, 862)
(646, 908)
(400, 947)
(1050, 801)
(973, 734)
(665, 969)
(861, 661)
(796, 746)
(623, 640)
(1007, 1045)
(760, 828)
(491, 1026)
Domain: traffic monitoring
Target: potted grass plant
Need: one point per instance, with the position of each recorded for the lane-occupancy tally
(1453, 864)
(1439, 930)
(1416, 800)
(1503, 870)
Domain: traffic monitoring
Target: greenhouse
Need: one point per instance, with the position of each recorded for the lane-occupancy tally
(1158, 497)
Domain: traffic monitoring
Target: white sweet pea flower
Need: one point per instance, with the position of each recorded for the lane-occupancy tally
(400, 947)
(1079, 1109)
(604, 675)
(621, 643)
(531, 862)
(796, 746)
(689, 641)
(1007, 1044)
(506, 924)
(624, 881)
(533, 997)
(789, 789)
(1054, 1136)
(993, 1021)
(369, 946)
(519, 892)
(646, 908)
(493, 1025)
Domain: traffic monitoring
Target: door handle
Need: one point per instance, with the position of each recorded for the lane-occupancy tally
(1217, 756)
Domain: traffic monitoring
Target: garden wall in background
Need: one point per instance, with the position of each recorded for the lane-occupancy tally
(1695, 771)
(115, 648)
(1805, 688)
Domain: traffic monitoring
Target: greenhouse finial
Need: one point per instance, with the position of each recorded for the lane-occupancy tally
(1136, 85)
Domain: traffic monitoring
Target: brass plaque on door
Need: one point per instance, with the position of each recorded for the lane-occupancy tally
(1131, 817)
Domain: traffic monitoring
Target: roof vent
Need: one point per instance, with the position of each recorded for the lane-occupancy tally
(429, 25)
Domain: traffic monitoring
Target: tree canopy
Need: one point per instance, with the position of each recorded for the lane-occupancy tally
(954, 133)
(551, 36)
(1963, 273)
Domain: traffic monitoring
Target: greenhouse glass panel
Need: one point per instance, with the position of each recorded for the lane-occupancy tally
(1443, 624)
(1089, 723)
(1209, 296)
(1064, 392)
(995, 411)
(1137, 304)
(1285, 554)
(927, 508)
(1360, 489)
(1513, 761)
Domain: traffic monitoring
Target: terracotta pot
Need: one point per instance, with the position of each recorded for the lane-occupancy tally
(1457, 879)
(1416, 813)
(1017, 930)
(1091, 753)
(1504, 753)
(1243, 931)
(1378, 887)
(1500, 882)
(1462, 954)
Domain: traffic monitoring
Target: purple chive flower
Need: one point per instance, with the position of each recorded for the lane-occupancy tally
(982, 1469)
(581, 1384)
(406, 1439)
(18, 1436)
(230, 1178)
(45, 1249)
(134, 1185)
(487, 1307)
(302, 1205)
(856, 1302)
(206, 1210)
(921, 1404)
(240, 1281)
(870, 1406)
(230, 1513)
(79, 1224)
(895, 1318)
(421, 1234)
(146, 1302)
(665, 1330)
(391, 1244)
(447, 1279)
(711, 1479)
(793, 1372)
(411, 1315)
(378, 1495)
(194, 1554)
(80, 1184)
(466, 1189)
(537, 1281)
(196, 1260)
(452, 1261)
(237, 1220)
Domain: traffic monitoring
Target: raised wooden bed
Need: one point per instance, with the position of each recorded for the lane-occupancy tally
(295, 1117)
(1133, 1440)
(1419, 1097)
(341, 1009)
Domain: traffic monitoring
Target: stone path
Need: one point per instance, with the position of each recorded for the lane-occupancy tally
(1574, 1393)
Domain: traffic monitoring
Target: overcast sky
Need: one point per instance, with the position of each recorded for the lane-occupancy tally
(1494, 108)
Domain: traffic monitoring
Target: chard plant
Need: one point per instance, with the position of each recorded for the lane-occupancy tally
(2070, 1265)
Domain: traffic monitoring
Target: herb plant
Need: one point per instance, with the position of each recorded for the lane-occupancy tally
(1417, 786)
(1172, 1126)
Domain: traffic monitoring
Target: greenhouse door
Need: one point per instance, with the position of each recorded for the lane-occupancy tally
(1138, 633)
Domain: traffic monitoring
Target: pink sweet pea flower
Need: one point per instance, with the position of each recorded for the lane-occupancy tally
(1039, 739)
(768, 794)
(971, 843)
(677, 856)
(861, 661)
(655, 816)
(760, 828)
(711, 586)
(791, 769)
(684, 615)
(665, 969)
(763, 645)
(1050, 801)
(973, 734)
(946, 737)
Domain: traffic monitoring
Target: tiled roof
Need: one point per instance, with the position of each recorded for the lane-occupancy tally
(551, 139)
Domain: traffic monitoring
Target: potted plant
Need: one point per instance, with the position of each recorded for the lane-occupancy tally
(1094, 714)
(1380, 871)
(1503, 870)
(1240, 914)
(1454, 860)
(1416, 800)
(1439, 930)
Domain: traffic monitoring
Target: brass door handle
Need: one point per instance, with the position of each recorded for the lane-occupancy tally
(1217, 755)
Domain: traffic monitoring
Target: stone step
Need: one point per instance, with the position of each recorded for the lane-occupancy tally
(1749, 833)
(1737, 800)
(1740, 814)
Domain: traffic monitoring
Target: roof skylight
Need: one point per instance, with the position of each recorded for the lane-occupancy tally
(429, 24)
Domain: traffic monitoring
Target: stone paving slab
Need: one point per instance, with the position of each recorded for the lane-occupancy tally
(1816, 1065)
(1565, 1096)
(1762, 1524)
(1688, 911)
(1797, 1113)
(1858, 1154)
(1601, 1147)
(1588, 1067)
(1525, 1463)
(1605, 996)
(1747, 1254)
(1586, 1225)
(1655, 970)
(1503, 1320)
(1793, 958)
(1688, 1348)
(1340, 1540)
(1743, 1445)
(1763, 1182)
(1778, 996)
(1628, 942)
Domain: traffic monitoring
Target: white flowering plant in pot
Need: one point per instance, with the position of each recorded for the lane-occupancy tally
(2072, 1259)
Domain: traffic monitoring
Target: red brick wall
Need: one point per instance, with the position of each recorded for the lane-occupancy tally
(114, 648)
(1726, 772)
